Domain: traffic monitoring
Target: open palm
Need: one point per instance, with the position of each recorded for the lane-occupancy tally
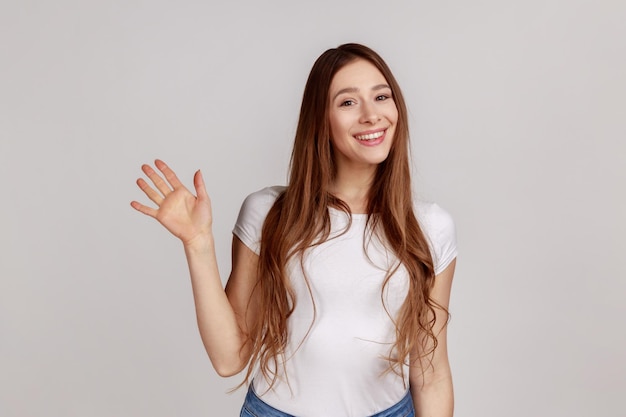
(186, 216)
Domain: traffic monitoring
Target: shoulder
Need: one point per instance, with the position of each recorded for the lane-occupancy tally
(252, 215)
(263, 199)
(432, 217)
(440, 231)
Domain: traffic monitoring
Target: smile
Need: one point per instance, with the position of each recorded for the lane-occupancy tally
(371, 136)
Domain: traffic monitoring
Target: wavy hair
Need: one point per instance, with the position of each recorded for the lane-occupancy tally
(299, 219)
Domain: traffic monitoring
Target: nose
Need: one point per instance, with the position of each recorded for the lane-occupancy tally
(369, 114)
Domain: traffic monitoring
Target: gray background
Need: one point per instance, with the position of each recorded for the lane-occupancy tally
(517, 112)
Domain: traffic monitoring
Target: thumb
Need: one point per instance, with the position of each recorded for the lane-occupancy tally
(198, 183)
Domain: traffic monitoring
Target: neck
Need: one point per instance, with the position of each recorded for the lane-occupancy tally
(353, 186)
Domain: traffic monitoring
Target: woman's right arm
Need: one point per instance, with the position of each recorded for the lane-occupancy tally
(222, 319)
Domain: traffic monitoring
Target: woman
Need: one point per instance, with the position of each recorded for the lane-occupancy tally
(337, 300)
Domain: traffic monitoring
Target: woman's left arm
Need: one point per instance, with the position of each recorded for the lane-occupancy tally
(431, 386)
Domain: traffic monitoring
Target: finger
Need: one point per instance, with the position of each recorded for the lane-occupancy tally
(156, 180)
(198, 183)
(148, 211)
(170, 176)
(150, 192)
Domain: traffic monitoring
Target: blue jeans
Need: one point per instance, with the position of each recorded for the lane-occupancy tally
(253, 406)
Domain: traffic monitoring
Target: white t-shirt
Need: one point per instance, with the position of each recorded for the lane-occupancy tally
(338, 368)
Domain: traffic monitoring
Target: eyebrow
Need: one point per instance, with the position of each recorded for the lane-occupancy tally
(356, 90)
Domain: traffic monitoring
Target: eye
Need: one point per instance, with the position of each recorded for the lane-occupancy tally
(382, 97)
(347, 103)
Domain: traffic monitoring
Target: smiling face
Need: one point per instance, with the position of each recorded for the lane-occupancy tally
(362, 116)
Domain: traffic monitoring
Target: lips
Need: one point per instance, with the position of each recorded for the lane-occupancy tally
(372, 136)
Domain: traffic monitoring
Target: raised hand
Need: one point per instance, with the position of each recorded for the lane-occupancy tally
(186, 216)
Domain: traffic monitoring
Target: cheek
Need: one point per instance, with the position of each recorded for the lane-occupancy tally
(393, 118)
(338, 126)
(332, 124)
(394, 115)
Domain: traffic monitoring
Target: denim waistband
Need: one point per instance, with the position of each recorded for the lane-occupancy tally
(253, 406)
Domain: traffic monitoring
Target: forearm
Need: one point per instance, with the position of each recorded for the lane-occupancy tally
(434, 396)
(217, 322)
(431, 380)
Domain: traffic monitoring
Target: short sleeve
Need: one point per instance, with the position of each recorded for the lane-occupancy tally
(438, 226)
(252, 216)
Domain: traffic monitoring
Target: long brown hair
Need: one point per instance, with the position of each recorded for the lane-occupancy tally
(299, 219)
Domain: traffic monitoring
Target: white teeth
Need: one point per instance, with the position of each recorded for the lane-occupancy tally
(371, 136)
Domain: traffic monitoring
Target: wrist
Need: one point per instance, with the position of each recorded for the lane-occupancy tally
(199, 243)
